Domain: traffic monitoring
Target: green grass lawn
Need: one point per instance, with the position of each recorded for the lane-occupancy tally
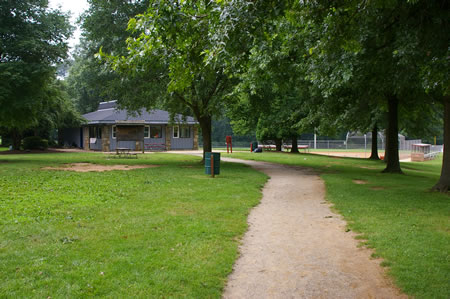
(169, 231)
(2, 149)
(396, 215)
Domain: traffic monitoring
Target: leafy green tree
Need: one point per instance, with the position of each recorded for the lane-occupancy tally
(266, 121)
(272, 85)
(374, 49)
(222, 128)
(376, 43)
(33, 40)
(59, 111)
(87, 81)
(436, 81)
(168, 57)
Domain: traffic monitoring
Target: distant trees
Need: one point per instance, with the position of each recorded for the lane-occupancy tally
(272, 89)
(221, 128)
(104, 25)
(33, 41)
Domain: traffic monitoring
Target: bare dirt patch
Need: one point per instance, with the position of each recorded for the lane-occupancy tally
(360, 182)
(86, 167)
(377, 188)
(356, 154)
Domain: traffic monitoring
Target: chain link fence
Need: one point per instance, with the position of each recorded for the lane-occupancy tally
(354, 143)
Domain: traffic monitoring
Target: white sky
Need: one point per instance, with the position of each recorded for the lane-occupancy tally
(76, 7)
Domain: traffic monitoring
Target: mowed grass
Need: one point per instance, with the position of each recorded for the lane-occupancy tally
(406, 224)
(169, 231)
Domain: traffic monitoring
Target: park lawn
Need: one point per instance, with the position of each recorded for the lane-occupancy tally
(407, 225)
(235, 149)
(2, 149)
(169, 231)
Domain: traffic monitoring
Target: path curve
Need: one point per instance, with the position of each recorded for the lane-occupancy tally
(296, 247)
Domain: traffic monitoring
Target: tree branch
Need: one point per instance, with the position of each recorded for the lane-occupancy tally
(207, 99)
(182, 99)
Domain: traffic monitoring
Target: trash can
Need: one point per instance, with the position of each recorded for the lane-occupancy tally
(216, 159)
(254, 145)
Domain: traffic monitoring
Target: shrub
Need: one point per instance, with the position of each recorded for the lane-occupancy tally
(35, 142)
(52, 143)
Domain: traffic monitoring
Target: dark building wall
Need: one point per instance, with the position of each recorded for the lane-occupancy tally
(71, 137)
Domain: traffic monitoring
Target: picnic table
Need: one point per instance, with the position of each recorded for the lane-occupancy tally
(125, 152)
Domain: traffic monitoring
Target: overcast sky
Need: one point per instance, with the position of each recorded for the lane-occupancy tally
(76, 7)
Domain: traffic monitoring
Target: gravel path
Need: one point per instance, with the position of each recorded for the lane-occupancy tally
(297, 248)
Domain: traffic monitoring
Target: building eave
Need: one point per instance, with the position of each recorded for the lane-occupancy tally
(128, 123)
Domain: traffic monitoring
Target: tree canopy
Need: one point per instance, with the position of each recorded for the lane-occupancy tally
(166, 54)
(33, 41)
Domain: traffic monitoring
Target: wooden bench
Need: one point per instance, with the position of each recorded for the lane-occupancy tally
(155, 147)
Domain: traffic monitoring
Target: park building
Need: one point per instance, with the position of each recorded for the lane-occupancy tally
(110, 128)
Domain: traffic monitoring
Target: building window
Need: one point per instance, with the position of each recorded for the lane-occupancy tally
(176, 133)
(146, 132)
(95, 132)
(114, 130)
(185, 132)
(155, 132)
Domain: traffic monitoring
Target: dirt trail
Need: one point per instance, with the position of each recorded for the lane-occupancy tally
(297, 248)
(87, 167)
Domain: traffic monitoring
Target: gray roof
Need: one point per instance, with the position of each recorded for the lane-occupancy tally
(108, 114)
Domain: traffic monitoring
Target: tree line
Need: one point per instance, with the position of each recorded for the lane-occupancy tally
(33, 43)
(279, 68)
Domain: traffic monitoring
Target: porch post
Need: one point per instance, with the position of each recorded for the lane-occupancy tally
(168, 138)
(106, 132)
(86, 138)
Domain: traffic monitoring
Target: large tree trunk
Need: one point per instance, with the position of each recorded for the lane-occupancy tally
(393, 161)
(443, 185)
(16, 139)
(374, 154)
(206, 125)
(294, 148)
(278, 143)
